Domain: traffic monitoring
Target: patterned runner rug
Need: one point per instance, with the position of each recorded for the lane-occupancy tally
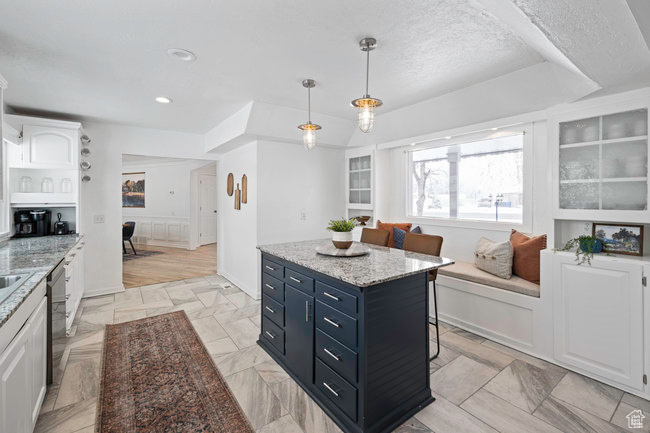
(158, 377)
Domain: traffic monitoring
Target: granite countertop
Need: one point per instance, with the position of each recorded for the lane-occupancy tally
(39, 255)
(380, 265)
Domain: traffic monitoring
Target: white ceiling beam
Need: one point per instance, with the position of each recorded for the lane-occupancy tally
(520, 24)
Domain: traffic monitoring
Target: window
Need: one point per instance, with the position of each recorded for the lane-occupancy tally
(481, 180)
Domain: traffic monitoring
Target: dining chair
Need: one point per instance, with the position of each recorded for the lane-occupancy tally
(128, 228)
(427, 244)
(375, 236)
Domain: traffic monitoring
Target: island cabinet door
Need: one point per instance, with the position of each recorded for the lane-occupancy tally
(299, 333)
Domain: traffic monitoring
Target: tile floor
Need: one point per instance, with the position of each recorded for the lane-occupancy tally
(480, 385)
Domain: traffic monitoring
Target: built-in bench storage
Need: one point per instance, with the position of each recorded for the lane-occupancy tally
(467, 271)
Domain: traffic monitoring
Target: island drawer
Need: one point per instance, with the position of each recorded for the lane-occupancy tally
(299, 281)
(337, 389)
(273, 310)
(273, 334)
(338, 325)
(272, 268)
(273, 287)
(336, 298)
(337, 356)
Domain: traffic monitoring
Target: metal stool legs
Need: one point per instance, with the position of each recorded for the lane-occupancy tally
(435, 310)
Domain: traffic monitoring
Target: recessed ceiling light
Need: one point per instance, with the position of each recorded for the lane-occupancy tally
(494, 129)
(448, 137)
(181, 54)
(163, 100)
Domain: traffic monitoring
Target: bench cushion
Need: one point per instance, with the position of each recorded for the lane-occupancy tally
(469, 272)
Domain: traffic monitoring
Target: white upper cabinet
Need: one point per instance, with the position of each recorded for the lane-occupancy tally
(48, 147)
(359, 179)
(601, 169)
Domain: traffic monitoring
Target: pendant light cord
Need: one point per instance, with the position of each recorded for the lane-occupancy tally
(367, 67)
(309, 104)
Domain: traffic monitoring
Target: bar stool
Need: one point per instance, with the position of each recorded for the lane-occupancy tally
(375, 236)
(427, 244)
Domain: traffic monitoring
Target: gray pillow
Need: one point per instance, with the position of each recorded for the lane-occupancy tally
(493, 257)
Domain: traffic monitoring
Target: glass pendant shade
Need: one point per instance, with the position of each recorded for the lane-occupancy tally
(366, 118)
(309, 138)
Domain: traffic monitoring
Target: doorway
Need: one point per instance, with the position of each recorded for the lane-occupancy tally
(169, 219)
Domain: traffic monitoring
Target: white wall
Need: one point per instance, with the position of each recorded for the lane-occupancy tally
(102, 195)
(460, 240)
(237, 235)
(293, 181)
(160, 181)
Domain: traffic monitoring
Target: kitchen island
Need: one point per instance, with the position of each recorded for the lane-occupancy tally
(352, 331)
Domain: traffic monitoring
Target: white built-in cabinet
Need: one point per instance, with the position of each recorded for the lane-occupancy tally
(360, 185)
(600, 317)
(23, 366)
(53, 147)
(601, 165)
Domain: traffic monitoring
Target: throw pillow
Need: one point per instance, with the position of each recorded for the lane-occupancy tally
(525, 263)
(389, 228)
(493, 257)
(398, 237)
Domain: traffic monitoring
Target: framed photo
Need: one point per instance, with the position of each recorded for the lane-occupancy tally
(133, 189)
(620, 238)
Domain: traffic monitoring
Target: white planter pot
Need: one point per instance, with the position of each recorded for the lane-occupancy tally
(342, 240)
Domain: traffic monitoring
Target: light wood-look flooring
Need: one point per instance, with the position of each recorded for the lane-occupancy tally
(173, 265)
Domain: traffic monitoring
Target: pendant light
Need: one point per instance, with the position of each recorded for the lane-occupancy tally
(309, 129)
(367, 104)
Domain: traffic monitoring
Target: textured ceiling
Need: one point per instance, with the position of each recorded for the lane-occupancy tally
(107, 60)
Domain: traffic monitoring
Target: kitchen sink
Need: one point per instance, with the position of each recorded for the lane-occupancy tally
(10, 282)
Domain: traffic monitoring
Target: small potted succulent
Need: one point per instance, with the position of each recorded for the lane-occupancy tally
(585, 247)
(342, 232)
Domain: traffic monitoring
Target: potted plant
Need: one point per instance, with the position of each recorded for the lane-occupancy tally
(341, 232)
(585, 247)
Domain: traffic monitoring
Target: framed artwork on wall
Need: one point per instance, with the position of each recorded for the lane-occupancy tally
(133, 189)
(620, 238)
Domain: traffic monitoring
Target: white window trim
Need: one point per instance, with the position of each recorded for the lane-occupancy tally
(527, 211)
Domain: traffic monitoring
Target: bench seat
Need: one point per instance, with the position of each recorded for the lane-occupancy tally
(467, 271)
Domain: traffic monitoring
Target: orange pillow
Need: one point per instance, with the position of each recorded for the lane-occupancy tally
(525, 262)
(389, 228)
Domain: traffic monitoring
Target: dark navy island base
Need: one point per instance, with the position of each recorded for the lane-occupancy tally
(362, 353)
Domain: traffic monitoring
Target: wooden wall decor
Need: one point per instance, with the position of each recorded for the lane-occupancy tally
(244, 189)
(231, 183)
(237, 198)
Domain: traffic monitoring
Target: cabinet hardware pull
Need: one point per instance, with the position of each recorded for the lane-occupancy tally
(336, 298)
(67, 297)
(331, 354)
(330, 389)
(270, 309)
(306, 311)
(269, 268)
(295, 279)
(270, 335)
(331, 322)
(269, 286)
(67, 315)
(67, 279)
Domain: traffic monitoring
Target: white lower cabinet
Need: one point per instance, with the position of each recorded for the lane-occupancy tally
(599, 317)
(23, 374)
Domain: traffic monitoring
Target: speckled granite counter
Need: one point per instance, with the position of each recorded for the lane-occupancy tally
(38, 255)
(382, 264)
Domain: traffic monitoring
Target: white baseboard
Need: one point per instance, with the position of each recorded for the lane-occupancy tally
(103, 291)
(250, 292)
(156, 243)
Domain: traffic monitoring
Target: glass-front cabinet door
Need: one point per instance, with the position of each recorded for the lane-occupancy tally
(603, 166)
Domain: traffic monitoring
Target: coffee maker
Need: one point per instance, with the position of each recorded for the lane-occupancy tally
(32, 222)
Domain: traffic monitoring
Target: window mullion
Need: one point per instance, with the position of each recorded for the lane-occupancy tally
(453, 184)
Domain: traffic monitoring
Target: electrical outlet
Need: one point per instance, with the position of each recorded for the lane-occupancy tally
(302, 216)
(98, 219)
(587, 228)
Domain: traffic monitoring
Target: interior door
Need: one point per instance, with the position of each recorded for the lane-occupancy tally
(299, 333)
(207, 209)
